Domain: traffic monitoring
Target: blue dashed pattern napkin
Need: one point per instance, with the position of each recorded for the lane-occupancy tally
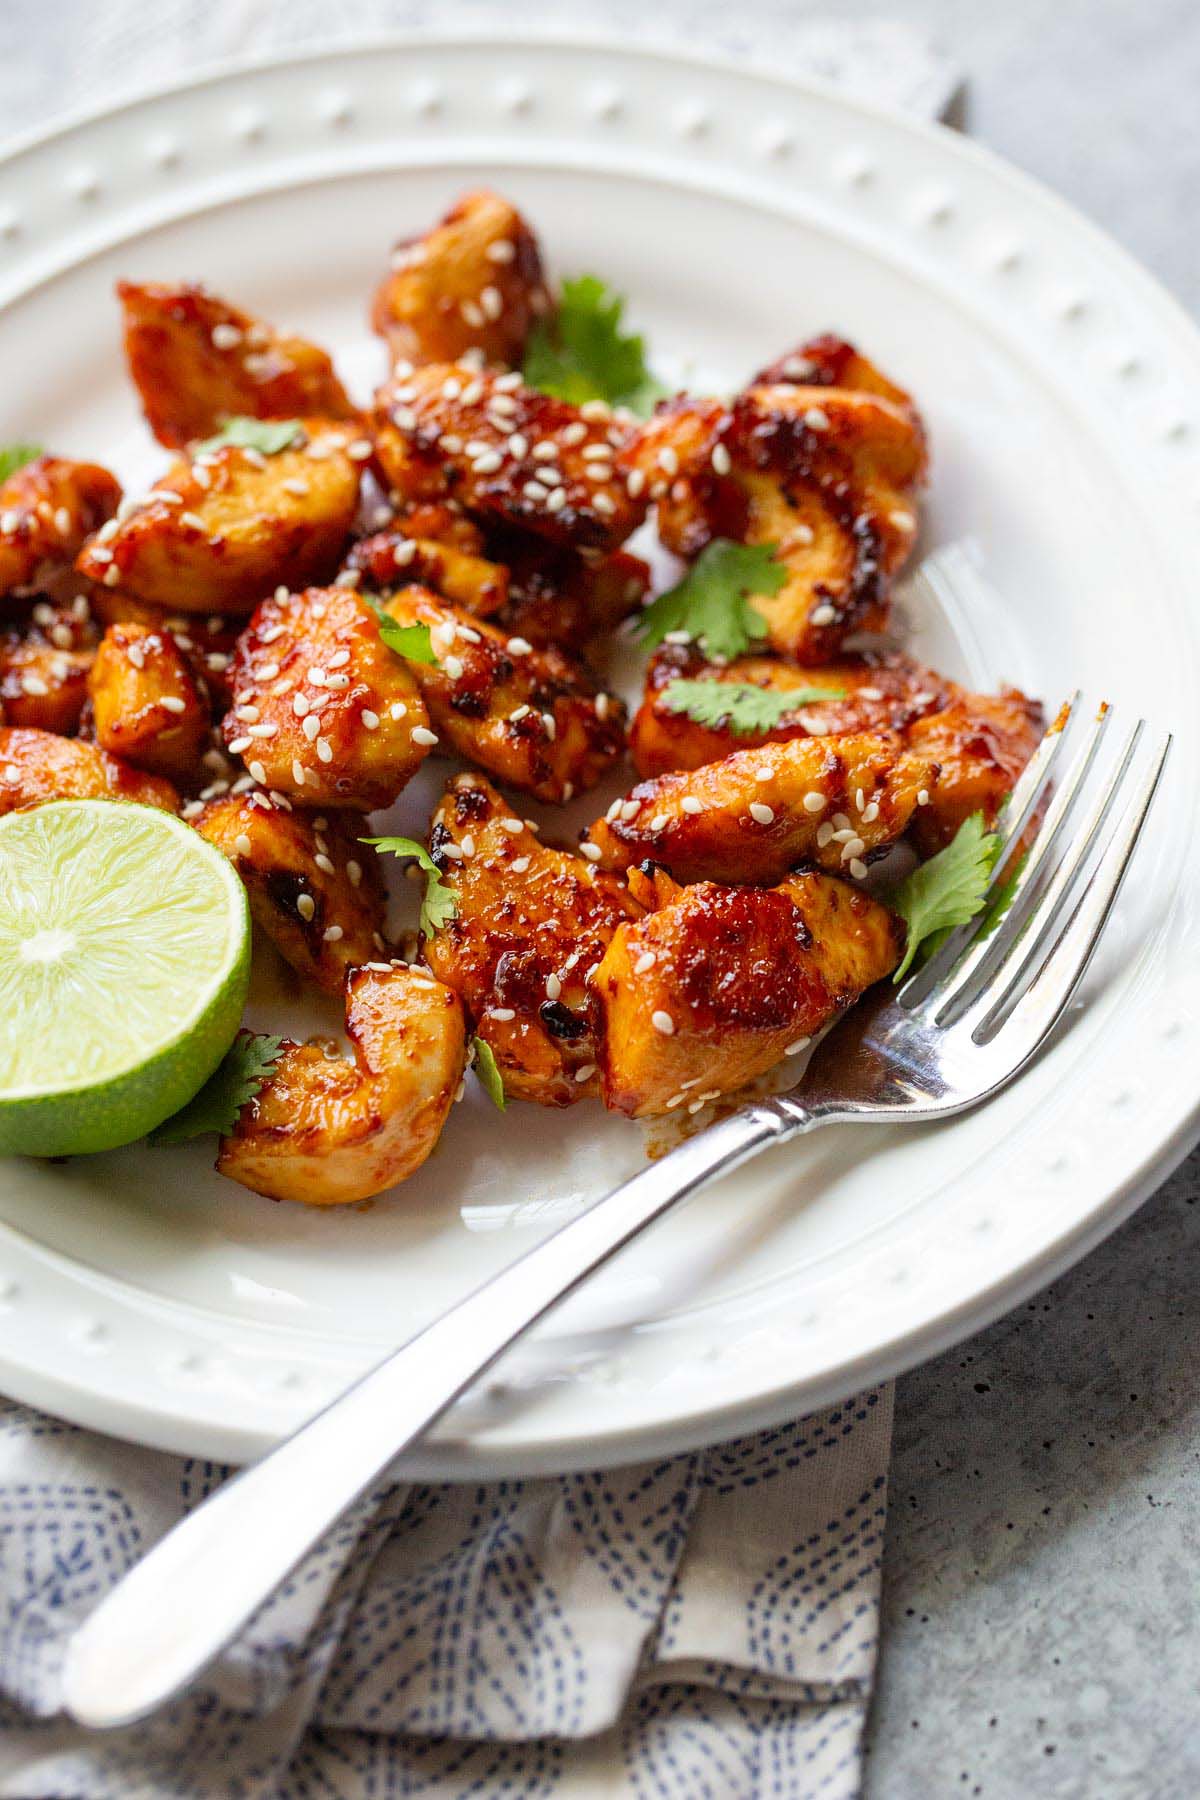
(703, 1626)
(697, 1629)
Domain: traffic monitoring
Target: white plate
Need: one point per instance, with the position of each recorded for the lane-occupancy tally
(142, 1295)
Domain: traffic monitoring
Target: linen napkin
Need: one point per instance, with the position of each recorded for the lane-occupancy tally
(704, 1626)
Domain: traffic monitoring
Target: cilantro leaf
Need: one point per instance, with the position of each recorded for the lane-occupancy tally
(490, 1079)
(269, 436)
(235, 1080)
(413, 641)
(581, 353)
(15, 456)
(710, 602)
(946, 891)
(740, 705)
(440, 903)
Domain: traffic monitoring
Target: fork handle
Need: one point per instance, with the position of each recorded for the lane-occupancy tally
(179, 1607)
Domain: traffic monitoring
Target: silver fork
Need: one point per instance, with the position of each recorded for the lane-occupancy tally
(954, 1033)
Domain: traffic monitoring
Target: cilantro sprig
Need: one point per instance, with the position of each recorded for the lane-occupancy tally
(15, 456)
(236, 1079)
(440, 903)
(582, 354)
(711, 601)
(946, 891)
(268, 436)
(490, 1079)
(740, 706)
(413, 641)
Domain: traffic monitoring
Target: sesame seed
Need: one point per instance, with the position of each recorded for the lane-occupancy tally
(248, 713)
(602, 703)
(635, 481)
(800, 1044)
(586, 1072)
(663, 1023)
(242, 844)
(487, 463)
(300, 705)
(574, 433)
(225, 337)
(323, 863)
(513, 825)
(519, 864)
(491, 301)
(238, 744)
(690, 804)
(317, 677)
(852, 849)
(659, 822)
(33, 684)
(556, 499)
(112, 575)
(324, 750)
(353, 872)
(333, 934)
(339, 659)
(421, 734)
(451, 389)
(271, 632)
(840, 821)
(870, 693)
(630, 810)
(668, 460)
(258, 773)
(845, 834)
(518, 646)
(604, 503)
(192, 810)
(762, 815)
(137, 656)
(453, 665)
(193, 520)
(533, 490)
(311, 727)
(860, 799)
(553, 987)
(97, 552)
(370, 720)
(173, 704)
(472, 314)
(645, 962)
(591, 851)
(473, 393)
(306, 906)
(817, 419)
(297, 771)
(295, 484)
(722, 462)
(858, 869)
(765, 773)
(404, 418)
(823, 614)
(503, 250)
(549, 725)
(923, 797)
(518, 445)
(870, 813)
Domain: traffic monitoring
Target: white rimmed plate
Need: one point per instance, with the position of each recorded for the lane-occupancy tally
(141, 1295)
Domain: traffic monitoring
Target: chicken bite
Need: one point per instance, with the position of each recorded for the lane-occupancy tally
(48, 508)
(530, 922)
(472, 283)
(148, 704)
(758, 813)
(327, 1130)
(879, 693)
(313, 888)
(219, 531)
(390, 559)
(196, 360)
(980, 743)
(825, 474)
(323, 711)
(208, 643)
(36, 766)
(707, 994)
(44, 663)
(508, 455)
(530, 717)
(559, 596)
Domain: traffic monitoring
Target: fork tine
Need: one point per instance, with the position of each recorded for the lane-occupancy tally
(1040, 989)
(1022, 804)
(985, 954)
(1033, 912)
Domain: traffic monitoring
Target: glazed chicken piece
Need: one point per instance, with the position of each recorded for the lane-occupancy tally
(472, 283)
(507, 454)
(390, 559)
(327, 1130)
(196, 360)
(979, 742)
(708, 993)
(829, 361)
(532, 718)
(47, 509)
(313, 889)
(323, 711)
(36, 766)
(530, 923)
(535, 590)
(758, 813)
(826, 474)
(208, 643)
(148, 704)
(44, 662)
(219, 531)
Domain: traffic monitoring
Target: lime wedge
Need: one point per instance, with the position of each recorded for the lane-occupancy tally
(124, 961)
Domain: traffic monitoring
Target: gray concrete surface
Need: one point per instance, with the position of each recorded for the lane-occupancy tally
(1041, 1632)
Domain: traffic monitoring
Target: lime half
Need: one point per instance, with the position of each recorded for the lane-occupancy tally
(124, 961)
